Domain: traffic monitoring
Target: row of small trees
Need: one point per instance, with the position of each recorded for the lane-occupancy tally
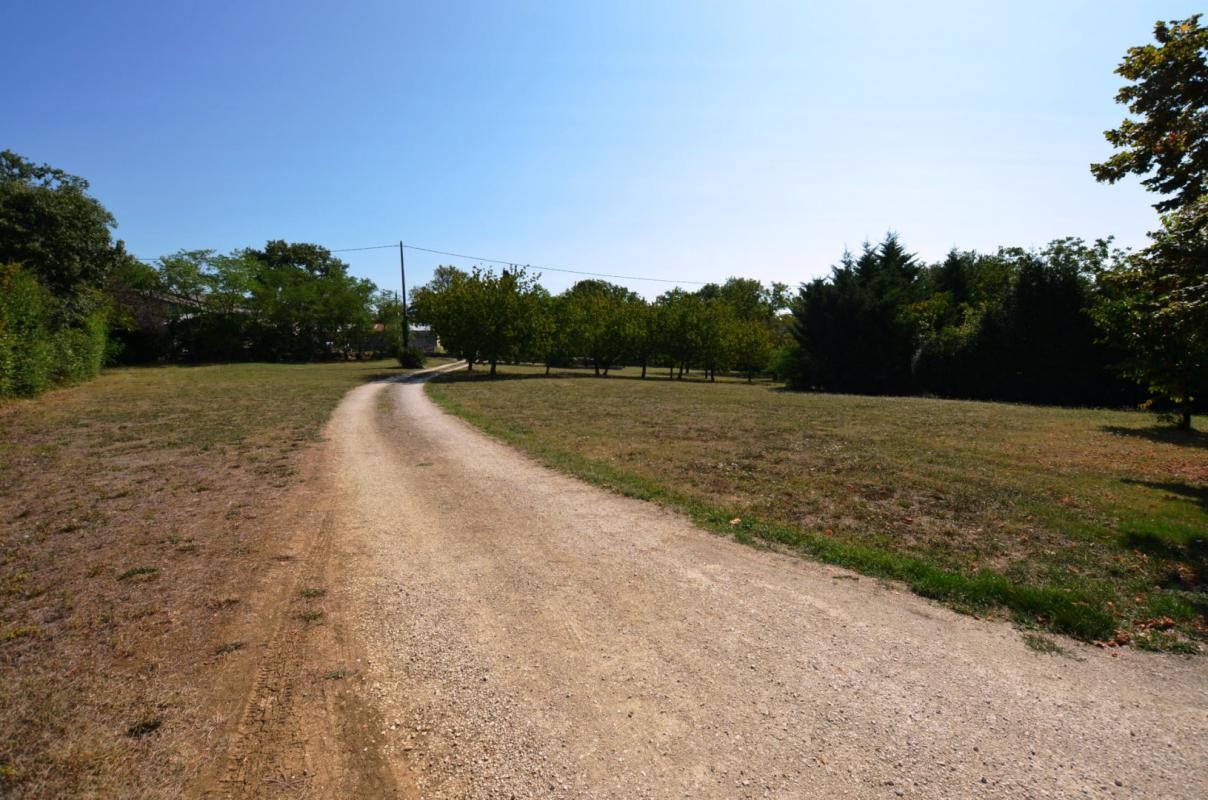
(487, 317)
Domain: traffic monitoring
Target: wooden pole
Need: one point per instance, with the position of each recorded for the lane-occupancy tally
(402, 269)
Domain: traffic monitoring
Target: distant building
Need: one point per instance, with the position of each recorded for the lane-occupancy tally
(423, 339)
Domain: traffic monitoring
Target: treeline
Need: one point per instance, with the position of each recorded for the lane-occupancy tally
(1014, 325)
(72, 298)
(486, 317)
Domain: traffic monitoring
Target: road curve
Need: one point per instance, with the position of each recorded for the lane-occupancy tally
(532, 636)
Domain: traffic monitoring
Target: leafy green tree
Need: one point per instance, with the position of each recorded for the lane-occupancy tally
(752, 346)
(1156, 304)
(1168, 93)
(600, 322)
(509, 314)
(305, 303)
(57, 231)
(449, 303)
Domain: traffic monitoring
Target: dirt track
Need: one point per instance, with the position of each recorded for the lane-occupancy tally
(527, 635)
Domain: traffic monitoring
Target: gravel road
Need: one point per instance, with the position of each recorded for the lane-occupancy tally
(527, 635)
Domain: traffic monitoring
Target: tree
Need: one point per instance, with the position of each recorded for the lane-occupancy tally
(449, 303)
(853, 331)
(1156, 304)
(58, 232)
(601, 326)
(1169, 94)
(304, 302)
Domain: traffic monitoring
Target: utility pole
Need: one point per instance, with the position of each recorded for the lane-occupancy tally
(402, 269)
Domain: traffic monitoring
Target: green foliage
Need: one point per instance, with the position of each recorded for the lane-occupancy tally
(1168, 93)
(852, 327)
(286, 302)
(38, 351)
(55, 230)
(1155, 305)
(1015, 325)
(411, 358)
(25, 351)
(55, 240)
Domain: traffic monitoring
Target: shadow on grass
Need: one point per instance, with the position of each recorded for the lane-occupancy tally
(481, 373)
(1165, 435)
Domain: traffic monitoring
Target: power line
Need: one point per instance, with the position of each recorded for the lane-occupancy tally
(509, 263)
(549, 269)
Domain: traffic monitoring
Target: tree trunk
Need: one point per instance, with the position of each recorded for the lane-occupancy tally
(469, 365)
(492, 367)
(596, 366)
(681, 373)
(1185, 419)
(671, 371)
(643, 372)
(749, 373)
(606, 372)
(547, 369)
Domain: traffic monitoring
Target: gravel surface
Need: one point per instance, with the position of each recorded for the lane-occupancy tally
(527, 635)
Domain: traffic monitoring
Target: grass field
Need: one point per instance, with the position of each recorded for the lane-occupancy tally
(136, 516)
(1091, 523)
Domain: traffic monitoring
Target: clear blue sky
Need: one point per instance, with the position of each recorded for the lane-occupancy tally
(685, 140)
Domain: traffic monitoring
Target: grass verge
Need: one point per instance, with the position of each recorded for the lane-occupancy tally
(1082, 522)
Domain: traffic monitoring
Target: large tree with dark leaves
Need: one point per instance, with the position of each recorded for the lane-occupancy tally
(1156, 304)
(851, 330)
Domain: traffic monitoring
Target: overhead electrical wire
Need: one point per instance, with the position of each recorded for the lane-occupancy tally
(508, 263)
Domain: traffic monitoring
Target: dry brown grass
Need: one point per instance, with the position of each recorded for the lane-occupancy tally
(136, 521)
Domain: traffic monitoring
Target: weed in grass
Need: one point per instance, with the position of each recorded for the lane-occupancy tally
(19, 633)
(311, 616)
(1165, 642)
(336, 674)
(311, 593)
(1043, 644)
(144, 728)
(140, 573)
(221, 603)
(229, 647)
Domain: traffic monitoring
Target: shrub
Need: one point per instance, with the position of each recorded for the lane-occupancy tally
(411, 357)
(25, 352)
(35, 352)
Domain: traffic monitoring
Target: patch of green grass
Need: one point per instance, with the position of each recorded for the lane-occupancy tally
(310, 593)
(1060, 518)
(336, 674)
(313, 615)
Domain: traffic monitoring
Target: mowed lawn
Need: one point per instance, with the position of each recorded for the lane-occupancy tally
(1086, 522)
(138, 516)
